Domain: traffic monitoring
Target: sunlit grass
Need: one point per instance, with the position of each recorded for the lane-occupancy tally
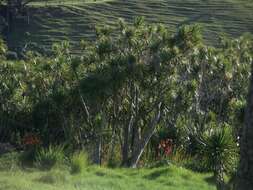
(14, 176)
(98, 178)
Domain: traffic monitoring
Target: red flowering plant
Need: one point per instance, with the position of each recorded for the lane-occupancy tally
(165, 147)
(31, 141)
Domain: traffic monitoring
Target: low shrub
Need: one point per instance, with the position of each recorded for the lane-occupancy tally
(182, 158)
(78, 162)
(27, 158)
(47, 158)
(31, 143)
(9, 161)
(113, 163)
(219, 152)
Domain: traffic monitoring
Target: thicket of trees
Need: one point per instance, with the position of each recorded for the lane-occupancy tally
(135, 86)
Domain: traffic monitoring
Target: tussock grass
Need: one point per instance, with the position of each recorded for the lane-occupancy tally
(47, 158)
(79, 161)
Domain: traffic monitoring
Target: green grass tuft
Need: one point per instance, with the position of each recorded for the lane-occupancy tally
(47, 158)
(79, 162)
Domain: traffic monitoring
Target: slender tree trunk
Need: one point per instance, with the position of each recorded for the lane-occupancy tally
(245, 172)
(98, 145)
(219, 177)
(97, 151)
(135, 136)
(147, 135)
(112, 145)
(125, 148)
(114, 124)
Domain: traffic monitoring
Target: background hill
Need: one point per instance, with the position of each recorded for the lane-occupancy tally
(54, 21)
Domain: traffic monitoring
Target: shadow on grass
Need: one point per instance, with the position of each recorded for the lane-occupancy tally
(156, 174)
(101, 174)
(131, 174)
(52, 178)
(210, 180)
(108, 175)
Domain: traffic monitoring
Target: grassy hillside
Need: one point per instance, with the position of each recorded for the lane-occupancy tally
(95, 178)
(75, 20)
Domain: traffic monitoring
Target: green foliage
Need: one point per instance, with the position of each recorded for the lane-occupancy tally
(3, 48)
(9, 161)
(219, 150)
(188, 36)
(28, 157)
(119, 81)
(47, 158)
(79, 161)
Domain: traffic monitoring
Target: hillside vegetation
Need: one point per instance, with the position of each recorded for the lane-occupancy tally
(75, 20)
(136, 96)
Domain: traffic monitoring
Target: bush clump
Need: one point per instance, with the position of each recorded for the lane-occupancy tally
(78, 162)
(47, 158)
(219, 151)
